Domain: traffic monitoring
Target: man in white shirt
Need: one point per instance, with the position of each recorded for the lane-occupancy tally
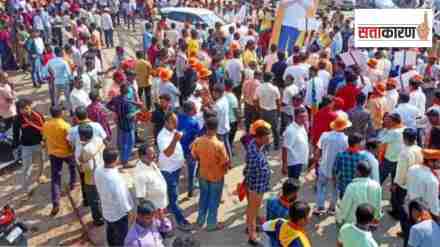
(107, 27)
(172, 35)
(149, 183)
(298, 71)
(74, 139)
(408, 112)
(404, 78)
(314, 89)
(324, 75)
(221, 108)
(234, 69)
(416, 96)
(411, 155)
(330, 143)
(289, 93)
(422, 183)
(116, 201)
(268, 101)
(88, 155)
(79, 96)
(295, 151)
(171, 161)
(383, 64)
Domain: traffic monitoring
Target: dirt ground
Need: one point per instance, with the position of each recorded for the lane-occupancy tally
(65, 230)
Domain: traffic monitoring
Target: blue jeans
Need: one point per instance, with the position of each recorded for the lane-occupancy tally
(294, 171)
(288, 37)
(209, 201)
(36, 69)
(126, 144)
(108, 36)
(225, 139)
(325, 185)
(55, 94)
(172, 179)
(27, 153)
(191, 165)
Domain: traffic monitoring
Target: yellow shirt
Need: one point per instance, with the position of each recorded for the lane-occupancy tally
(143, 71)
(193, 46)
(55, 133)
(249, 56)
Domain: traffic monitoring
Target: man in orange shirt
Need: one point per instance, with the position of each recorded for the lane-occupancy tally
(213, 160)
(55, 133)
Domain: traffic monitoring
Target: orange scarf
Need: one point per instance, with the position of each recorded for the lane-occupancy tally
(35, 121)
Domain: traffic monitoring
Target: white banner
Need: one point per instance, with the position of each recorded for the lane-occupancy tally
(393, 27)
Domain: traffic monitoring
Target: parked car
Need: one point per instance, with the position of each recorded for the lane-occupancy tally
(375, 4)
(182, 15)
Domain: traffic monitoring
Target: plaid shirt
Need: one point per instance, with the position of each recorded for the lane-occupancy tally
(344, 169)
(257, 171)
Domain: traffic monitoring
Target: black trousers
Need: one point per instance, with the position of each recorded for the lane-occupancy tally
(398, 200)
(94, 203)
(250, 115)
(272, 117)
(145, 93)
(117, 231)
(232, 132)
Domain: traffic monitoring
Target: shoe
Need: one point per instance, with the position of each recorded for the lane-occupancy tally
(55, 211)
(254, 242)
(98, 223)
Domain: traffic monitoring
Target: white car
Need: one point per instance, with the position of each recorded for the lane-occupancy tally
(182, 15)
(376, 4)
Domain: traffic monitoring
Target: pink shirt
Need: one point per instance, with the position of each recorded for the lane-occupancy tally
(7, 101)
(249, 89)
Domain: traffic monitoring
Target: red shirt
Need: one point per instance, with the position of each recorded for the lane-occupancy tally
(152, 53)
(348, 93)
(325, 115)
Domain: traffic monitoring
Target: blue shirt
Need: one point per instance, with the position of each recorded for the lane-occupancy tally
(60, 70)
(146, 40)
(275, 209)
(190, 128)
(125, 110)
(335, 83)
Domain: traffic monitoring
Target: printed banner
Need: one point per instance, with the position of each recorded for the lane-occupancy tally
(393, 27)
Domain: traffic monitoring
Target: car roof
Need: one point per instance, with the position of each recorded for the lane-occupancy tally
(194, 11)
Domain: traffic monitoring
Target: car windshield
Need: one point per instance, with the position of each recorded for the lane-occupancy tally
(211, 19)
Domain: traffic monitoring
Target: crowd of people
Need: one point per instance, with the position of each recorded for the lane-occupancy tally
(211, 93)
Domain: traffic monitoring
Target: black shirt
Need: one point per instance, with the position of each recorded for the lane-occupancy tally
(158, 120)
(278, 69)
(24, 134)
